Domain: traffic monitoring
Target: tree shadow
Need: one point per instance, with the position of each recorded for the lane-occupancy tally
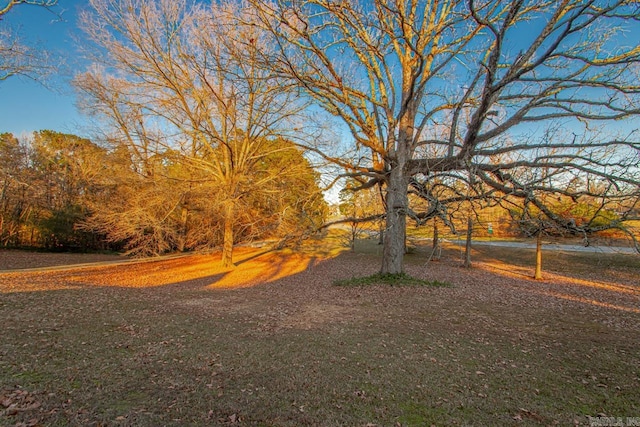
(599, 291)
(195, 272)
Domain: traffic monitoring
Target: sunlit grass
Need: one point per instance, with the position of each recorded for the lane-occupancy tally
(252, 266)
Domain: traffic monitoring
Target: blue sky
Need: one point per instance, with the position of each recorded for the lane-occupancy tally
(27, 105)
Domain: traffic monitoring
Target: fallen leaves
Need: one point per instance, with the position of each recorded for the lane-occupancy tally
(18, 401)
(208, 354)
(525, 413)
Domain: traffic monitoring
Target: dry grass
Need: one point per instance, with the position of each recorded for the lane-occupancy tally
(273, 342)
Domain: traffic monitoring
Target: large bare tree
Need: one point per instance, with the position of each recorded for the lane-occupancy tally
(179, 76)
(518, 97)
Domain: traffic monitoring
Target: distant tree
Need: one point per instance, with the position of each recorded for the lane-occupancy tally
(176, 77)
(16, 205)
(47, 182)
(476, 91)
(67, 166)
(64, 170)
(360, 209)
(563, 216)
(350, 208)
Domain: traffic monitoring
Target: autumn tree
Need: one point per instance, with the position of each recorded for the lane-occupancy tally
(47, 181)
(142, 204)
(360, 210)
(64, 171)
(181, 77)
(15, 204)
(476, 91)
(164, 208)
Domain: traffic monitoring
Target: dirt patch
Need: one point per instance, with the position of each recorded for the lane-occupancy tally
(316, 315)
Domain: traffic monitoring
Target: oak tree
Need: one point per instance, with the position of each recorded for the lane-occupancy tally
(484, 92)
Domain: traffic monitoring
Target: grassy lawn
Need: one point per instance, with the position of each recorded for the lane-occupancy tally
(276, 343)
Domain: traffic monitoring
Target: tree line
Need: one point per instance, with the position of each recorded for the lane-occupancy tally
(64, 192)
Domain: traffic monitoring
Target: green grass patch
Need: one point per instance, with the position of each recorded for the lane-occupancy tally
(401, 279)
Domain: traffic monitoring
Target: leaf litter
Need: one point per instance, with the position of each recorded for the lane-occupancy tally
(494, 346)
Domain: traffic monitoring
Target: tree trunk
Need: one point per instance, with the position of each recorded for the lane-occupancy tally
(354, 233)
(435, 251)
(184, 214)
(395, 241)
(394, 237)
(538, 274)
(467, 249)
(227, 243)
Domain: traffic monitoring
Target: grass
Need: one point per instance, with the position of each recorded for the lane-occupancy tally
(488, 350)
(577, 264)
(402, 279)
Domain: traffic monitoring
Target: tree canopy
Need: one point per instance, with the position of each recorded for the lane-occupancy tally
(47, 183)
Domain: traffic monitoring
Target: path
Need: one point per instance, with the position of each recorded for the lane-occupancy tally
(552, 246)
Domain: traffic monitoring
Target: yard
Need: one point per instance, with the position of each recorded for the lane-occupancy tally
(275, 342)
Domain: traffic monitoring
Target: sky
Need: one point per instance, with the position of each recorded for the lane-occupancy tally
(27, 105)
